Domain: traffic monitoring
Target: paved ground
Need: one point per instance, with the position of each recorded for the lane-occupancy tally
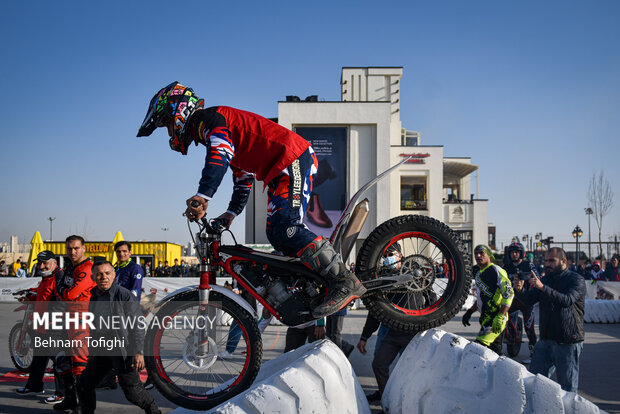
(599, 372)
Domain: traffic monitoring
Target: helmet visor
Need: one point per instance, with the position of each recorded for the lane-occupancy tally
(155, 115)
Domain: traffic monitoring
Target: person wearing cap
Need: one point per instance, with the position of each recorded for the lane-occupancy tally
(49, 271)
(393, 341)
(494, 295)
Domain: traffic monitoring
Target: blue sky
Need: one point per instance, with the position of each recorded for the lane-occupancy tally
(528, 89)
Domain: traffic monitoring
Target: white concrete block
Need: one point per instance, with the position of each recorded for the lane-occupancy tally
(316, 378)
(442, 372)
(602, 311)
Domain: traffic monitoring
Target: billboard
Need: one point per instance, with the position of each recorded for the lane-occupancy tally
(328, 198)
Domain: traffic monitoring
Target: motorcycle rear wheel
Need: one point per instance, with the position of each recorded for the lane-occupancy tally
(201, 382)
(21, 356)
(432, 298)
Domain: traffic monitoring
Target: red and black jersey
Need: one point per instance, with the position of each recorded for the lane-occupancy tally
(251, 144)
(76, 283)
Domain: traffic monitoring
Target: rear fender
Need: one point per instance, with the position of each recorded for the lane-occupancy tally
(219, 289)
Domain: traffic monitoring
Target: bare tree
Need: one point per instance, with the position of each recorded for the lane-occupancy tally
(601, 199)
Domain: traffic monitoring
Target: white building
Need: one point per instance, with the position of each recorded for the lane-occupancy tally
(362, 136)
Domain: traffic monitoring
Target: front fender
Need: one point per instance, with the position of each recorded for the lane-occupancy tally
(216, 288)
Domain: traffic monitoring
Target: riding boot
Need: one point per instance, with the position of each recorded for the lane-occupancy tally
(344, 286)
(70, 402)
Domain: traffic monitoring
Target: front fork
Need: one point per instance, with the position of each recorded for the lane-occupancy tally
(208, 335)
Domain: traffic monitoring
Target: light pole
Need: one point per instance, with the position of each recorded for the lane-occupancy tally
(51, 219)
(589, 213)
(577, 233)
(526, 240)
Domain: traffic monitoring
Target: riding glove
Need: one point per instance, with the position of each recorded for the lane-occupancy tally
(499, 322)
(467, 316)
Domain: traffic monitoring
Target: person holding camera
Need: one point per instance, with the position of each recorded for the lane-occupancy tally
(494, 296)
(517, 265)
(561, 296)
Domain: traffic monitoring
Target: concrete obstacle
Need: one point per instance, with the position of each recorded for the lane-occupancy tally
(316, 378)
(602, 311)
(440, 372)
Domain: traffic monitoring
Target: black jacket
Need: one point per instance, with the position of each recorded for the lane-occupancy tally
(124, 304)
(562, 303)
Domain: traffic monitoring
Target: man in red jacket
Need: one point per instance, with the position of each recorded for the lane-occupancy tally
(254, 146)
(48, 269)
(75, 289)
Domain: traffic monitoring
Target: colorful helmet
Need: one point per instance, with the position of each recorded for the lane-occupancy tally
(175, 103)
(518, 247)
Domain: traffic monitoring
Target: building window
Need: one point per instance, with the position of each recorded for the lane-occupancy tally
(413, 193)
(409, 138)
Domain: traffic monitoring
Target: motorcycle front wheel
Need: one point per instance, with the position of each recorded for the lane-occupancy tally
(21, 353)
(434, 258)
(196, 375)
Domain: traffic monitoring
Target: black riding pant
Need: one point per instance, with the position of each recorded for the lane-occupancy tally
(129, 380)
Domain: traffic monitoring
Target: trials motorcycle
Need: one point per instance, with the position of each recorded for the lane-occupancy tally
(21, 342)
(185, 362)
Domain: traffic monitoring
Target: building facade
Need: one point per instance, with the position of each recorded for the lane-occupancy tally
(361, 136)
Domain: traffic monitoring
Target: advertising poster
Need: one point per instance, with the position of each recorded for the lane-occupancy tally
(328, 198)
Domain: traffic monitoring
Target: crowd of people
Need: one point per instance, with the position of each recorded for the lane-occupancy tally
(593, 270)
(20, 269)
(77, 289)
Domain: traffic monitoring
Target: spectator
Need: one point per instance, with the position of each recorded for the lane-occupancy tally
(175, 271)
(128, 273)
(494, 296)
(596, 273)
(587, 269)
(127, 361)
(296, 336)
(16, 265)
(129, 276)
(515, 266)
(184, 269)
(162, 271)
(391, 262)
(394, 341)
(49, 271)
(74, 287)
(22, 271)
(333, 330)
(4, 269)
(561, 296)
(611, 270)
(148, 268)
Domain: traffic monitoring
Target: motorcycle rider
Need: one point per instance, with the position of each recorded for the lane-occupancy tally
(254, 146)
(517, 264)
